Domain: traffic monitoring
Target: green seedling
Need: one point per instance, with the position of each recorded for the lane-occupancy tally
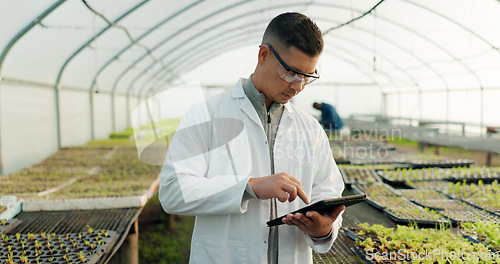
(90, 229)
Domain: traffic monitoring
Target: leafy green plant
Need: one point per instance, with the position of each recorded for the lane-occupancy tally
(81, 256)
(483, 195)
(23, 259)
(89, 229)
(486, 232)
(407, 242)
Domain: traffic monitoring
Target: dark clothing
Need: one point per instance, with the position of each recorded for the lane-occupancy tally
(329, 117)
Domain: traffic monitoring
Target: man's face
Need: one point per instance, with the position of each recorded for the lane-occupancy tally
(278, 90)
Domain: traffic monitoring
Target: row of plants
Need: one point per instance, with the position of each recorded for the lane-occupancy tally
(410, 174)
(460, 211)
(365, 144)
(395, 158)
(412, 213)
(483, 195)
(418, 164)
(410, 244)
(454, 209)
(484, 232)
(427, 174)
(123, 174)
(438, 185)
(55, 248)
(422, 194)
(372, 152)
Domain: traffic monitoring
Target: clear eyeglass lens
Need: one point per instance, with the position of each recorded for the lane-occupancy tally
(290, 77)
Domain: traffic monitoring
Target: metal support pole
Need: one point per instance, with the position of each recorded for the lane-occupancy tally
(91, 98)
(383, 105)
(1, 154)
(113, 117)
(447, 118)
(57, 91)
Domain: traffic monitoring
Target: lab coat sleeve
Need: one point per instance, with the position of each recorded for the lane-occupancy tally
(187, 187)
(327, 184)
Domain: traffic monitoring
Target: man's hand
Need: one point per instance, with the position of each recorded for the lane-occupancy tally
(281, 186)
(313, 223)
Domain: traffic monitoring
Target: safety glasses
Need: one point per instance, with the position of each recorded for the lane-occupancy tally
(289, 75)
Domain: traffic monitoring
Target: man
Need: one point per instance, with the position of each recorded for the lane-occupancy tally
(330, 119)
(239, 152)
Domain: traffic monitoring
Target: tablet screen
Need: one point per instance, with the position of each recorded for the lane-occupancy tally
(324, 206)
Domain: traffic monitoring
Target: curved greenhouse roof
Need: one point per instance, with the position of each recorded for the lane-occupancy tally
(72, 71)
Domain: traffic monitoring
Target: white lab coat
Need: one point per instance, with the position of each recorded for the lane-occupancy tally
(198, 178)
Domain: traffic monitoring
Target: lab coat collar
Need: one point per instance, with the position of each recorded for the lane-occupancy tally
(247, 107)
(237, 92)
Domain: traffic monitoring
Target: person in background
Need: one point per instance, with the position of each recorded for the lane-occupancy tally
(237, 154)
(330, 119)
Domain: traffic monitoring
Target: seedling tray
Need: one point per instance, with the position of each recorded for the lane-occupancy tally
(402, 176)
(358, 175)
(403, 216)
(437, 185)
(375, 190)
(461, 211)
(362, 144)
(419, 222)
(474, 179)
(54, 248)
(379, 243)
(477, 241)
(341, 160)
(488, 234)
(419, 164)
(355, 249)
(422, 194)
(484, 204)
(475, 174)
(4, 228)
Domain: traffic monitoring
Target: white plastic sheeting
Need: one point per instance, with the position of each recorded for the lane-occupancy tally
(413, 58)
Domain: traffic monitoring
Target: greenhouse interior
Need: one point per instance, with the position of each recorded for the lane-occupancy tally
(106, 84)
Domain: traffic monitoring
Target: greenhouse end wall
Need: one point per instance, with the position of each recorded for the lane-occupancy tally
(29, 126)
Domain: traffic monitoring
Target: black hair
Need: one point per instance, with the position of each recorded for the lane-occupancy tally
(294, 29)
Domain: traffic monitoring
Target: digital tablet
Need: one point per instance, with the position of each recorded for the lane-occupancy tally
(323, 206)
